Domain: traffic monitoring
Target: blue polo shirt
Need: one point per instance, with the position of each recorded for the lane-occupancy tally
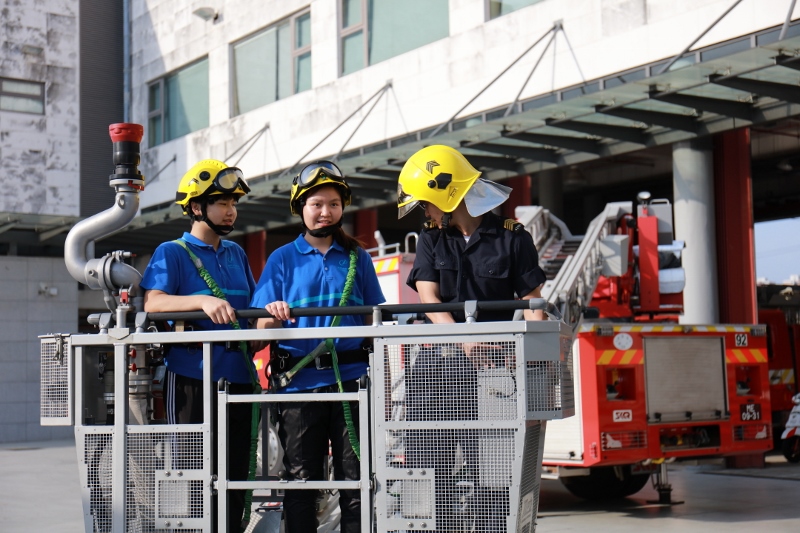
(172, 271)
(298, 274)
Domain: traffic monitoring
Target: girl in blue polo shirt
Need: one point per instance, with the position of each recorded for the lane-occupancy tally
(311, 272)
(208, 194)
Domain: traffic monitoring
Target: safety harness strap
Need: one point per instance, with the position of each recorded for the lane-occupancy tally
(217, 292)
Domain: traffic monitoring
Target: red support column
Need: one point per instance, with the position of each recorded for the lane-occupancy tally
(255, 246)
(520, 196)
(733, 200)
(365, 222)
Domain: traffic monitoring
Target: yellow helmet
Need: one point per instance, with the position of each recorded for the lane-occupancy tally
(207, 178)
(314, 175)
(437, 174)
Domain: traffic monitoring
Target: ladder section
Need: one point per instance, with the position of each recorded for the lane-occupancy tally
(552, 258)
(572, 263)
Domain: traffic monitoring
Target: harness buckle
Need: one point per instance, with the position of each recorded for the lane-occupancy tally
(324, 361)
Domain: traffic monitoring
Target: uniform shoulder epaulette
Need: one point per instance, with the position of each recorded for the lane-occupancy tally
(512, 225)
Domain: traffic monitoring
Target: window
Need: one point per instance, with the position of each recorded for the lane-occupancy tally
(272, 64)
(177, 104)
(22, 96)
(498, 8)
(374, 30)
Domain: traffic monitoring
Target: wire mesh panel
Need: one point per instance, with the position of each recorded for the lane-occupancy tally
(166, 469)
(531, 478)
(549, 385)
(95, 462)
(455, 450)
(164, 487)
(56, 385)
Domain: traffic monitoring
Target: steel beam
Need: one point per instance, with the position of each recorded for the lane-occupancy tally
(560, 141)
(727, 108)
(547, 155)
(779, 91)
(608, 131)
(667, 120)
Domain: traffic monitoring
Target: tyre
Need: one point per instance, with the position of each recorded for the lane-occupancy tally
(605, 483)
(791, 449)
(634, 483)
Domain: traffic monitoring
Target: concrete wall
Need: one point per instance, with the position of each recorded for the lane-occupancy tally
(26, 313)
(429, 84)
(39, 153)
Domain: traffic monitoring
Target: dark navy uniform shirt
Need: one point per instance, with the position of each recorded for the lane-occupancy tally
(496, 264)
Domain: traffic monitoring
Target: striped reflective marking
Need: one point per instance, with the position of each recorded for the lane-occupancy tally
(386, 265)
(782, 376)
(620, 357)
(587, 328)
(745, 356)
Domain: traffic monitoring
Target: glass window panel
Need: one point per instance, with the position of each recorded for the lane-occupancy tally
(187, 101)
(21, 104)
(353, 52)
(303, 30)
(302, 72)
(255, 71)
(624, 78)
(284, 61)
(397, 27)
(351, 13)
(498, 8)
(154, 131)
(22, 87)
(154, 98)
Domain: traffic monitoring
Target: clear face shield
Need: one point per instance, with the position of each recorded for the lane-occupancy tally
(482, 197)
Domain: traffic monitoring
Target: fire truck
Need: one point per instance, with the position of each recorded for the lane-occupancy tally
(648, 390)
(779, 310)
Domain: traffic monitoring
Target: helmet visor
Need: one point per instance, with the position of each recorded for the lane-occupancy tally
(230, 179)
(405, 202)
(313, 171)
(485, 195)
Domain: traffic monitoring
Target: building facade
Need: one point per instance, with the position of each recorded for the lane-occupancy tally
(573, 102)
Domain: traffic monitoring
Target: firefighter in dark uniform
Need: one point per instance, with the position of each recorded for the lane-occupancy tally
(465, 252)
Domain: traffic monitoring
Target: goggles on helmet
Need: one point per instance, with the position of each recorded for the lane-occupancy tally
(227, 180)
(313, 171)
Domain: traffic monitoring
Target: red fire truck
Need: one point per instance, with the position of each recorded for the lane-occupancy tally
(779, 310)
(648, 390)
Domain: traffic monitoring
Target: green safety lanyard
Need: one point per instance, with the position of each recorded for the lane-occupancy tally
(282, 380)
(217, 292)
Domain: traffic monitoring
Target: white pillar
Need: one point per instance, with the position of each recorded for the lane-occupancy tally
(693, 184)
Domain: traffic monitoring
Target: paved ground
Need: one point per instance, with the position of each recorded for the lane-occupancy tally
(715, 499)
(40, 492)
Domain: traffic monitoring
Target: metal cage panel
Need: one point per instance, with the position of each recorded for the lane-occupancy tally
(165, 478)
(56, 382)
(458, 447)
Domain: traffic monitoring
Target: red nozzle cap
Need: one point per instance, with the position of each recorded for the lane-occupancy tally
(126, 132)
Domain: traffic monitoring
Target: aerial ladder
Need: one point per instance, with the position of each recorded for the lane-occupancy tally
(648, 390)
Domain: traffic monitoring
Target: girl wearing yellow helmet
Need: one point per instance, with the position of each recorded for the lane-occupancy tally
(312, 272)
(208, 193)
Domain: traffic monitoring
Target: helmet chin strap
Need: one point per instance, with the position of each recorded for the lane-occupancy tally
(220, 229)
(327, 231)
(446, 220)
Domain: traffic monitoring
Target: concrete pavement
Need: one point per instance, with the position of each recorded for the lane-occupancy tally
(40, 491)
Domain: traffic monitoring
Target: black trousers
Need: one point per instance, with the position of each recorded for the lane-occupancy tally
(184, 405)
(305, 430)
